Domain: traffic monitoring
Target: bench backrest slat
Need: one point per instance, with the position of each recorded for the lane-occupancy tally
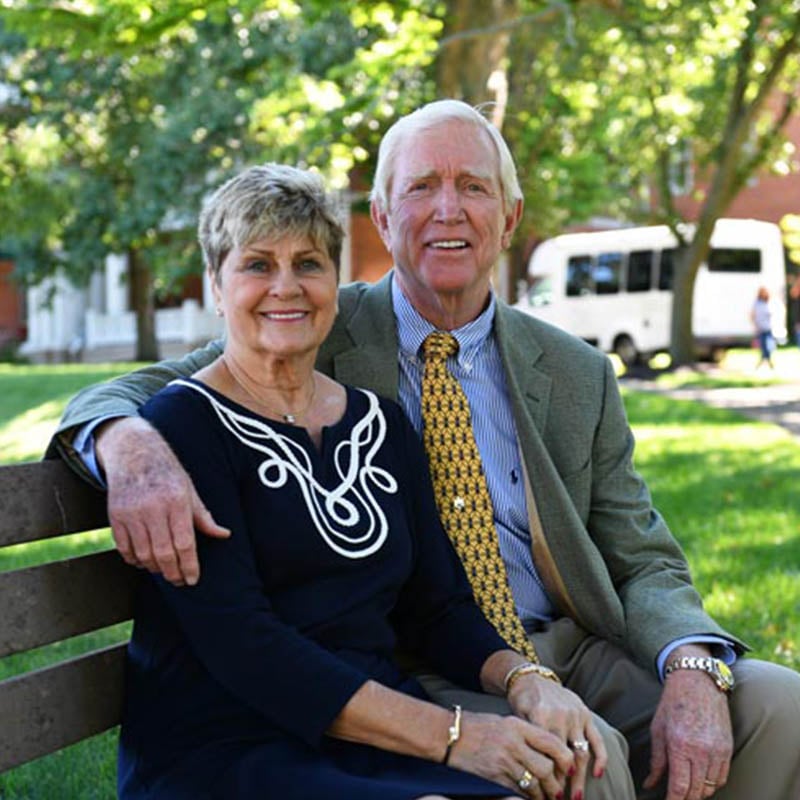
(51, 708)
(45, 499)
(47, 709)
(54, 601)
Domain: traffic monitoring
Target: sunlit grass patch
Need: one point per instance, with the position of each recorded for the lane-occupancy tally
(32, 399)
(727, 487)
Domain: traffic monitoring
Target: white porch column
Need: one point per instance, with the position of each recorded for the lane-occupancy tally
(57, 326)
(116, 284)
(208, 295)
(346, 267)
(96, 296)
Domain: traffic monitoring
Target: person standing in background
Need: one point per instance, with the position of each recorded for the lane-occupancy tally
(762, 320)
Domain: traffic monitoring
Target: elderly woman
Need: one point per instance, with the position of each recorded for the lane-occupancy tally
(274, 676)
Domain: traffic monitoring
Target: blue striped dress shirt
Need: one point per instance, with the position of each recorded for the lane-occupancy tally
(479, 370)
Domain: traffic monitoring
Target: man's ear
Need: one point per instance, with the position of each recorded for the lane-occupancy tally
(512, 220)
(380, 219)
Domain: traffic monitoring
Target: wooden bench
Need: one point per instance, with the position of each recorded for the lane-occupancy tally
(46, 709)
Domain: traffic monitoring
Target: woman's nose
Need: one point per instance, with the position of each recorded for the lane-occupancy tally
(286, 283)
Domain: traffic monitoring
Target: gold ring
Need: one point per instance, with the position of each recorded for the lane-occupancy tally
(710, 783)
(525, 781)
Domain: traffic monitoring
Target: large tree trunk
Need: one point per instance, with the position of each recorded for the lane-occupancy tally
(472, 50)
(682, 349)
(681, 334)
(143, 303)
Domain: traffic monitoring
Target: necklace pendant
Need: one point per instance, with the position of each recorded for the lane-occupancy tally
(290, 419)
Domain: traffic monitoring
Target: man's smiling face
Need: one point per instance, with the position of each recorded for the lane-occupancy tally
(446, 224)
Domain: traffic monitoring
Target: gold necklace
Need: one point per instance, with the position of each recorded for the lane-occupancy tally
(289, 417)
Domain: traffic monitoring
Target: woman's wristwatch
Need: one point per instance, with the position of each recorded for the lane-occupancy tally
(717, 669)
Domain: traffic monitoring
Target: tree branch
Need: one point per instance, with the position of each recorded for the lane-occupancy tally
(740, 120)
(490, 30)
(766, 142)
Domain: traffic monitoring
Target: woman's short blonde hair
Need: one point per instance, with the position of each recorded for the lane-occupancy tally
(269, 201)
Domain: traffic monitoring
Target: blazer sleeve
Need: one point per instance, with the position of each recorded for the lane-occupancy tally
(121, 397)
(227, 618)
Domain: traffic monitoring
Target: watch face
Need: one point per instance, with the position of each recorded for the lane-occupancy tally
(725, 674)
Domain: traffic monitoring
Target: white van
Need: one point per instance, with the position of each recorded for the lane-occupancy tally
(613, 288)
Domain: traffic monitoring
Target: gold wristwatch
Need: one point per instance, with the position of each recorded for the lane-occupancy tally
(718, 670)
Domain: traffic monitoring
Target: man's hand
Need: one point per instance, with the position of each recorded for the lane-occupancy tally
(560, 711)
(152, 505)
(691, 734)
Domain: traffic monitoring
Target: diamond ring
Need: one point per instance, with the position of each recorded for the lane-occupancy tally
(525, 781)
(580, 744)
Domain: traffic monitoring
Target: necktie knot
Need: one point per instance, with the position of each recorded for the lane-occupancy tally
(439, 345)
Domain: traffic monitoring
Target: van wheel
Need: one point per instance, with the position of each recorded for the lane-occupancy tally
(626, 350)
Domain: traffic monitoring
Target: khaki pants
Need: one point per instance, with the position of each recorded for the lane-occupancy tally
(765, 709)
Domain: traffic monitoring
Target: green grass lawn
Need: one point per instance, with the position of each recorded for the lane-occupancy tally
(32, 399)
(726, 485)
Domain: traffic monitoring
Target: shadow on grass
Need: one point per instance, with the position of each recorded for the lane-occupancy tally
(648, 408)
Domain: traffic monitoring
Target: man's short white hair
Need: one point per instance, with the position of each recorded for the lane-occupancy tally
(431, 116)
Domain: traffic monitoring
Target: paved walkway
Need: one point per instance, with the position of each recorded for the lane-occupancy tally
(778, 403)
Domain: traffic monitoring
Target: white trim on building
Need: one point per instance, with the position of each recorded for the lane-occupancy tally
(65, 322)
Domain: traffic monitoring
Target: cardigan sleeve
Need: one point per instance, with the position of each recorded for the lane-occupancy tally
(121, 397)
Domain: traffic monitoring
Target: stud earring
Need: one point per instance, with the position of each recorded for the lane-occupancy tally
(219, 312)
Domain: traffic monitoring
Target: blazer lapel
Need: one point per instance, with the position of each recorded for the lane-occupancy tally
(562, 551)
(371, 362)
(530, 387)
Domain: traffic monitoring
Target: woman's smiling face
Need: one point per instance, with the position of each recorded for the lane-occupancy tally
(278, 297)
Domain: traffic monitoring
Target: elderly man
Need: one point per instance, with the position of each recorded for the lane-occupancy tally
(600, 586)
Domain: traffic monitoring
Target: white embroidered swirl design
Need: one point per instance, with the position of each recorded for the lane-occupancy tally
(348, 517)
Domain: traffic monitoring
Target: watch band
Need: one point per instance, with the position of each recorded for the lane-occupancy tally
(716, 669)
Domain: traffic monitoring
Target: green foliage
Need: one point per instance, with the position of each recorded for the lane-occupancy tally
(144, 106)
(596, 118)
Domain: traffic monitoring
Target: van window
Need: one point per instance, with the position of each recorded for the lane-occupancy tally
(607, 273)
(666, 268)
(640, 268)
(724, 259)
(579, 276)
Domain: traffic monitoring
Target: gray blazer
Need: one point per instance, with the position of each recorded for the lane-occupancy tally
(606, 556)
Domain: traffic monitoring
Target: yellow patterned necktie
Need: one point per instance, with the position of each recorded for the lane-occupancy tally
(462, 495)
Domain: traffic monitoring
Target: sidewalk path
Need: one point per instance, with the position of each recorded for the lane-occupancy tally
(778, 403)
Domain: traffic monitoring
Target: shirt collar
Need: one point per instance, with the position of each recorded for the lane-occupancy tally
(412, 328)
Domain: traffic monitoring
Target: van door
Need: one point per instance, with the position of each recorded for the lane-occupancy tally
(724, 292)
(651, 304)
